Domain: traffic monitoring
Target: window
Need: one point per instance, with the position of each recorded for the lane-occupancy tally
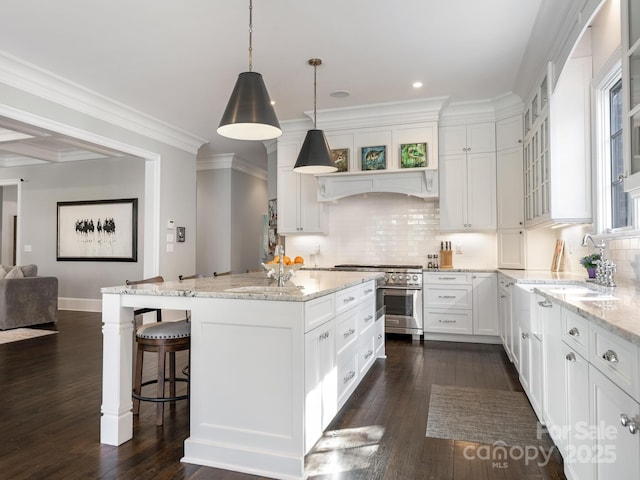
(613, 204)
(619, 199)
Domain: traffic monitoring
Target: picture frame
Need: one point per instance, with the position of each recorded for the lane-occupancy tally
(273, 212)
(374, 158)
(97, 230)
(341, 159)
(413, 155)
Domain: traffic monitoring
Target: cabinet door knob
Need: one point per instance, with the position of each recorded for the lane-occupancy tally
(571, 357)
(625, 421)
(574, 332)
(525, 335)
(610, 356)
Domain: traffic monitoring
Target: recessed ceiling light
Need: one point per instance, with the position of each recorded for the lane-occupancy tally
(417, 84)
(273, 102)
(339, 94)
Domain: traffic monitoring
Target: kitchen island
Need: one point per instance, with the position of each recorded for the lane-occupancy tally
(270, 366)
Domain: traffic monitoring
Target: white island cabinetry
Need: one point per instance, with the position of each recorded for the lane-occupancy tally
(267, 365)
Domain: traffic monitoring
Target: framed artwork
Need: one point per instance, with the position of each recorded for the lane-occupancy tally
(98, 230)
(374, 158)
(341, 159)
(273, 212)
(413, 155)
(273, 240)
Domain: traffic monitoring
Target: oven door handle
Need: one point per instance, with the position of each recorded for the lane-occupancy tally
(387, 287)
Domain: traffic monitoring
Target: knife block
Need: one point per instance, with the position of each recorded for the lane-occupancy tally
(446, 259)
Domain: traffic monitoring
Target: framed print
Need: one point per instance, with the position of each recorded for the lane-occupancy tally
(374, 158)
(273, 240)
(98, 230)
(413, 155)
(273, 212)
(341, 159)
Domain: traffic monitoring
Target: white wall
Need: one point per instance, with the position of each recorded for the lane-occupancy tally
(605, 34)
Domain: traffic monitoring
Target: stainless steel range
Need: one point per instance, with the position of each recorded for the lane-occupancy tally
(400, 294)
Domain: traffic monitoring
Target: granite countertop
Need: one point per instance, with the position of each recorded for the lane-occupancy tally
(303, 286)
(618, 315)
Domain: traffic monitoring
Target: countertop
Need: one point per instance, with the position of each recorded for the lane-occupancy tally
(619, 316)
(303, 286)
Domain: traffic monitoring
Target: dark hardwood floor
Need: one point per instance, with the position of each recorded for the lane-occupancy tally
(50, 393)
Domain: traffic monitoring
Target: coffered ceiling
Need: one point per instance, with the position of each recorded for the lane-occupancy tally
(178, 60)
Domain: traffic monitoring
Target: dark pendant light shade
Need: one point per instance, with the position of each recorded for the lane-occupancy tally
(249, 114)
(315, 154)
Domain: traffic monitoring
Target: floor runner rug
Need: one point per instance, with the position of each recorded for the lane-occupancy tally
(484, 416)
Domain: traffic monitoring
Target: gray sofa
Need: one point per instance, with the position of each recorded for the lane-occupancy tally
(31, 300)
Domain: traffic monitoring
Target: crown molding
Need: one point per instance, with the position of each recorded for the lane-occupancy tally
(475, 111)
(32, 79)
(232, 162)
(507, 105)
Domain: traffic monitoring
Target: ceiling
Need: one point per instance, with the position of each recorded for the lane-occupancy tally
(177, 60)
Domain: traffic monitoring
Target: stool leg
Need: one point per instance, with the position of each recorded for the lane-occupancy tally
(138, 379)
(161, 374)
(172, 377)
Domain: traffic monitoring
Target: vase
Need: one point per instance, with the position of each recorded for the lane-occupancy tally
(591, 272)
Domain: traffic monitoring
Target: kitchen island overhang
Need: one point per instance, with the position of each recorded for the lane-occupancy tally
(259, 395)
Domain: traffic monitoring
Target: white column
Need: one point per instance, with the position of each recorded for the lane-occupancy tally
(116, 424)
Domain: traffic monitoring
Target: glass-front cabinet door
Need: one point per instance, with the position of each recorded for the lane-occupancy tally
(631, 77)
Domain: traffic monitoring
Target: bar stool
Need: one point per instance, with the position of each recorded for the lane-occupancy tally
(163, 338)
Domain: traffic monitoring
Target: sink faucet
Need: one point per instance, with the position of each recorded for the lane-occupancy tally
(604, 268)
(281, 276)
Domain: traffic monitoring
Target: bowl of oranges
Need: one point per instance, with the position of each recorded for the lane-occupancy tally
(289, 265)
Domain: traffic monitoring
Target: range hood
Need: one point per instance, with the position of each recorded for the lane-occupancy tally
(422, 183)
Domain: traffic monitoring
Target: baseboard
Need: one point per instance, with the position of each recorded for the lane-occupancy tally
(80, 304)
(454, 337)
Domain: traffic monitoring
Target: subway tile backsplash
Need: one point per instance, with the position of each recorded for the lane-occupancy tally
(386, 228)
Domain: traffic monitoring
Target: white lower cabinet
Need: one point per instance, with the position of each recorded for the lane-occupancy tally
(461, 303)
(321, 388)
(339, 350)
(616, 417)
(591, 399)
(577, 459)
(504, 308)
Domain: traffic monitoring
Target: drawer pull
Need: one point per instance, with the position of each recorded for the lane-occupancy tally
(545, 304)
(447, 321)
(379, 336)
(610, 356)
(350, 299)
(571, 357)
(370, 317)
(368, 354)
(574, 332)
(349, 332)
(446, 296)
(625, 421)
(349, 376)
(446, 278)
(368, 291)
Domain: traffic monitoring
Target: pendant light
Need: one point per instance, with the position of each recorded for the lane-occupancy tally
(315, 154)
(249, 114)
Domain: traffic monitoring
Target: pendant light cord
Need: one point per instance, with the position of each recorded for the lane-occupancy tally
(250, 35)
(315, 95)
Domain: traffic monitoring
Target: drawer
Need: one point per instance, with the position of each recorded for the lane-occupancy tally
(448, 296)
(444, 278)
(368, 291)
(616, 358)
(448, 321)
(347, 375)
(366, 316)
(347, 298)
(318, 311)
(575, 332)
(366, 351)
(346, 330)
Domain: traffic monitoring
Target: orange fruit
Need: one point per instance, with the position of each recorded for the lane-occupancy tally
(276, 259)
(298, 259)
(287, 260)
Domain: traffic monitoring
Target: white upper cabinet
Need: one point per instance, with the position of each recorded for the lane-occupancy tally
(472, 138)
(631, 83)
(468, 178)
(509, 133)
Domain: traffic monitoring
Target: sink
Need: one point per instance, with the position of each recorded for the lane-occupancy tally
(592, 297)
(265, 289)
(572, 290)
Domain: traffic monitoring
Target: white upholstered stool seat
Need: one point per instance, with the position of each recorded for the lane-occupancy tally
(165, 330)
